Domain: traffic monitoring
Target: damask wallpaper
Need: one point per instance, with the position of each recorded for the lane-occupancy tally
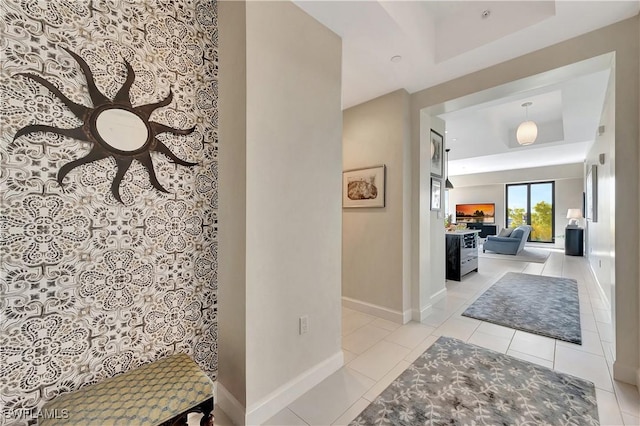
(91, 286)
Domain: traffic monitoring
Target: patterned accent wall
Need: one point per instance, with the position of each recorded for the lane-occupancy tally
(91, 287)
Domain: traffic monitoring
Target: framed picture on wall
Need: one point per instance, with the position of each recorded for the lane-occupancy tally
(437, 152)
(436, 194)
(591, 194)
(363, 187)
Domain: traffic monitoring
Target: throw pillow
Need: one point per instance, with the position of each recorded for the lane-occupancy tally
(505, 232)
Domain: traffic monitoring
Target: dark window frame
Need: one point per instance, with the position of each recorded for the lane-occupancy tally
(528, 221)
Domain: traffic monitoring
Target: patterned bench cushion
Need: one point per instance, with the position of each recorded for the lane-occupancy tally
(149, 395)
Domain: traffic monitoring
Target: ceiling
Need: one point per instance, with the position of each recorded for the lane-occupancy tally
(482, 136)
(442, 40)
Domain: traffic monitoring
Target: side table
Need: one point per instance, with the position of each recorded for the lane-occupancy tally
(573, 241)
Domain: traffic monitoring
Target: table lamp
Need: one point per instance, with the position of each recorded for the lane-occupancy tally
(573, 215)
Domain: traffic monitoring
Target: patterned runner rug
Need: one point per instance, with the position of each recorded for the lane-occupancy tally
(548, 306)
(455, 383)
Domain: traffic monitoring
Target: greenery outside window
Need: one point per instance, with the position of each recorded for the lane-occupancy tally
(532, 204)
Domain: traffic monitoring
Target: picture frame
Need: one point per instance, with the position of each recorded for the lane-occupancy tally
(364, 187)
(436, 194)
(437, 154)
(591, 194)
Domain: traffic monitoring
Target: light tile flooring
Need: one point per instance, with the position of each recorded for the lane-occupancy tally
(377, 351)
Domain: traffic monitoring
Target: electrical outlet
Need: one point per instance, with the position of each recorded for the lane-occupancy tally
(304, 324)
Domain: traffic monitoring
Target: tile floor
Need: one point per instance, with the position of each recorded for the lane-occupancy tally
(377, 351)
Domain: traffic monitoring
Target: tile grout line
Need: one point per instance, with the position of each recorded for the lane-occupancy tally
(301, 419)
(351, 406)
(565, 269)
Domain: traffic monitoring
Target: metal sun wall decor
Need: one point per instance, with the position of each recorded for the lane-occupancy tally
(114, 127)
(91, 287)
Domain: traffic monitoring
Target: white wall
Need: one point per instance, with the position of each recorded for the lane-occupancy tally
(600, 235)
(436, 275)
(621, 38)
(293, 230)
(490, 188)
(427, 226)
(564, 171)
(375, 258)
(568, 196)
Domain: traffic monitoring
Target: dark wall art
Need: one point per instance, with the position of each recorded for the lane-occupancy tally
(115, 128)
(437, 152)
(108, 192)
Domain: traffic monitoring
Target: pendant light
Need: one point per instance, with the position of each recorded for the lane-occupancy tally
(447, 182)
(527, 130)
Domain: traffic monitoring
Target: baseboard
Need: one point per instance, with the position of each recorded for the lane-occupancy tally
(638, 378)
(420, 315)
(406, 317)
(377, 311)
(233, 408)
(603, 296)
(425, 311)
(625, 373)
(277, 400)
(439, 296)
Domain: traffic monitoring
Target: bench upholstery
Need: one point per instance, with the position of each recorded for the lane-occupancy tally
(149, 395)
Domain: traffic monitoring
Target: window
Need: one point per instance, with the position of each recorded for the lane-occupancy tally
(532, 204)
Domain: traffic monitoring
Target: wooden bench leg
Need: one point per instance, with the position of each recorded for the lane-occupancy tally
(207, 411)
(206, 408)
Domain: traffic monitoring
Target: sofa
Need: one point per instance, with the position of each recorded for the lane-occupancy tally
(513, 243)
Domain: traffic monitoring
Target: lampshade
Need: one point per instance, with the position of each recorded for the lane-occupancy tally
(528, 130)
(527, 133)
(574, 215)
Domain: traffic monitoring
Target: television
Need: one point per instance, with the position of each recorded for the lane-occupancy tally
(476, 213)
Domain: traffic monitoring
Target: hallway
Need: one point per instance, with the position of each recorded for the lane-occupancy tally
(376, 351)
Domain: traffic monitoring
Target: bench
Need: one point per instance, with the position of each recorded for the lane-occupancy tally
(163, 392)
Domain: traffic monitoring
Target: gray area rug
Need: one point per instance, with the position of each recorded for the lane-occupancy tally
(548, 306)
(455, 383)
(528, 254)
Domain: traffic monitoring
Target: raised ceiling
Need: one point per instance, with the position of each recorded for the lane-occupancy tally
(442, 40)
(482, 137)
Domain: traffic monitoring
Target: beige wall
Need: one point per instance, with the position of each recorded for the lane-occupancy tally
(493, 193)
(373, 239)
(291, 170)
(623, 39)
(232, 175)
